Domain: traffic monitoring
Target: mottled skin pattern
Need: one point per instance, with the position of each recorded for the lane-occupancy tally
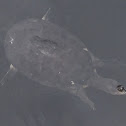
(53, 57)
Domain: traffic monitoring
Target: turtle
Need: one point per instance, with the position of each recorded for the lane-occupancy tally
(54, 57)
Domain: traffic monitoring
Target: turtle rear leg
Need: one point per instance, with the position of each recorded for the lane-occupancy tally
(9, 74)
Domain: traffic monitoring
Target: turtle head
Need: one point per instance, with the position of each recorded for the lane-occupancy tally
(113, 87)
(108, 85)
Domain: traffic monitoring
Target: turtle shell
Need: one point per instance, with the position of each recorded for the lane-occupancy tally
(47, 53)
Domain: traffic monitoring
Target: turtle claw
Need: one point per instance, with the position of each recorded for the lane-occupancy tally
(9, 74)
(46, 14)
(92, 106)
(85, 86)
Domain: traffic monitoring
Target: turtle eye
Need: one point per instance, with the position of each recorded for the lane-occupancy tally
(121, 88)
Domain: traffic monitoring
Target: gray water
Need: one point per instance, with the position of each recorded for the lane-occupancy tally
(100, 24)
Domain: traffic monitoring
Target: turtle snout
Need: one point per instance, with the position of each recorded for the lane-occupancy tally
(121, 89)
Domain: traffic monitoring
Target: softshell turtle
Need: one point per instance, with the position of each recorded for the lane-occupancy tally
(50, 55)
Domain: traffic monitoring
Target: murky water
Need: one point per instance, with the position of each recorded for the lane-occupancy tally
(101, 25)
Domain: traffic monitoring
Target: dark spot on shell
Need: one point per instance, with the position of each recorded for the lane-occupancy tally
(39, 41)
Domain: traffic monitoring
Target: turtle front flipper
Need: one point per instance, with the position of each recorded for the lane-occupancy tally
(110, 63)
(9, 74)
(79, 91)
(84, 98)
